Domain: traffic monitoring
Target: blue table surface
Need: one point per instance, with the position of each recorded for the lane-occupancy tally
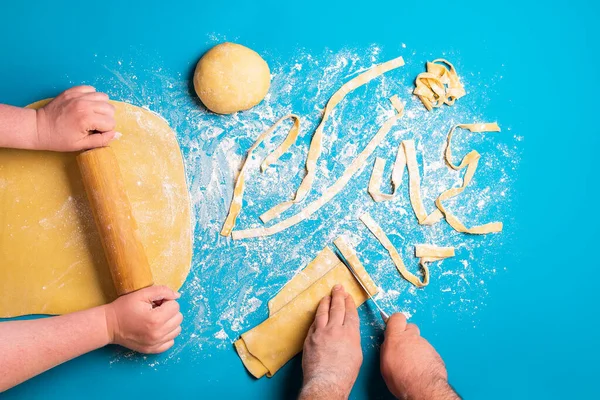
(518, 322)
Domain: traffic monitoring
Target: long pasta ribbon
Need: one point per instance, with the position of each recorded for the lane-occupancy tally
(316, 144)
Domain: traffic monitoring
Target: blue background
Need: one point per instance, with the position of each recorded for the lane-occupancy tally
(536, 337)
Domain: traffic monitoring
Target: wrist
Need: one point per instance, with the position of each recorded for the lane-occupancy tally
(39, 138)
(110, 322)
(18, 127)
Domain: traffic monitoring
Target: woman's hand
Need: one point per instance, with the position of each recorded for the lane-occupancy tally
(77, 119)
(136, 322)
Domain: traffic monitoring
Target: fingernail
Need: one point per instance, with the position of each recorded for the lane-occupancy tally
(337, 287)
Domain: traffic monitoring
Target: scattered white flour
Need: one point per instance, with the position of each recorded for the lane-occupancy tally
(231, 282)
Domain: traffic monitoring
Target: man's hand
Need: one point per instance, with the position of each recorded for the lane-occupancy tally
(77, 119)
(135, 322)
(332, 354)
(410, 366)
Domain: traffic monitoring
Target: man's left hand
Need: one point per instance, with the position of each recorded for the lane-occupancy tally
(332, 354)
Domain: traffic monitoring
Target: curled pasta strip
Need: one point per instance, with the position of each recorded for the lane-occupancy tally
(425, 253)
(439, 85)
(469, 162)
(238, 191)
(405, 158)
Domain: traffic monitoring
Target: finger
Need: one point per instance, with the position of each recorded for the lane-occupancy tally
(167, 310)
(351, 316)
(172, 334)
(161, 348)
(413, 329)
(94, 140)
(80, 89)
(156, 293)
(395, 325)
(322, 314)
(173, 323)
(95, 96)
(100, 123)
(103, 108)
(337, 311)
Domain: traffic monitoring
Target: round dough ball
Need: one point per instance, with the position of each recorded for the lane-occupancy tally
(231, 78)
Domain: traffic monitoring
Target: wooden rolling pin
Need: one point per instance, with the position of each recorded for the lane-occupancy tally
(118, 230)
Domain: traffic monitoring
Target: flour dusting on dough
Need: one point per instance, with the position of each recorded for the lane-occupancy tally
(230, 282)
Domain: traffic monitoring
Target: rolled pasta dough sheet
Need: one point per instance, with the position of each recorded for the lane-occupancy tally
(51, 258)
(268, 346)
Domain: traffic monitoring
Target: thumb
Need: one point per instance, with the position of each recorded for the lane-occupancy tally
(94, 140)
(395, 325)
(154, 294)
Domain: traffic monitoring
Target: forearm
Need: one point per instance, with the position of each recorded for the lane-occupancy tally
(321, 390)
(438, 391)
(427, 390)
(18, 127)
(28, 348)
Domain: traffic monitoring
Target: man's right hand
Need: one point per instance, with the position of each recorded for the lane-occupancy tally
(134, 321)
(410, 366)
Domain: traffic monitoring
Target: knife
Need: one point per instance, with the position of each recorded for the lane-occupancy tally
(383, 314)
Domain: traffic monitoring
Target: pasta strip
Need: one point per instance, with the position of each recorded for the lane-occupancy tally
(316, 144)
(426, 253)
(470, 162)
(406, 157)
(429, 251)
(439, 85)
(377, 176)
(332, 191)
(238, 191)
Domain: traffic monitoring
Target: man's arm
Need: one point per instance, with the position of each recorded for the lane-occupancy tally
(79, 118)
(28, 348)
(410, 366)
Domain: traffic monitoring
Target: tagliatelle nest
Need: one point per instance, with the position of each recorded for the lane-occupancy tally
(439, 85)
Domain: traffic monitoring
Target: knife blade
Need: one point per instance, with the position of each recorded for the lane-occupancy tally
(383, 314)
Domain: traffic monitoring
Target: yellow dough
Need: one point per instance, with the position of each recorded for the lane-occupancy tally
(267, 347)
(51, 258)
(230, 78)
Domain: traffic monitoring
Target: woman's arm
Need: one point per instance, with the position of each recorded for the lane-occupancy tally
(18, 127)
(28, 348)
(77, 119)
